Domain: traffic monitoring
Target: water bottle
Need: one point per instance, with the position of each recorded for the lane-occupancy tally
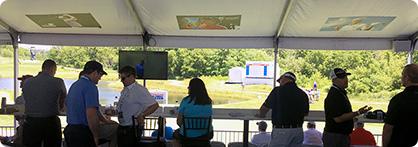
(115, 101)
(379, 115)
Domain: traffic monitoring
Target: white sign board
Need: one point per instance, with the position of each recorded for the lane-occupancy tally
(259, 72)
(161, 96)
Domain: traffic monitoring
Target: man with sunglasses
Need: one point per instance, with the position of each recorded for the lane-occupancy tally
(82, 103)
(135, 101)
(338, 113)
(289, 105)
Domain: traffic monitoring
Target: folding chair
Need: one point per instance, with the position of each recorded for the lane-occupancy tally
(151, 124)
(197, 123)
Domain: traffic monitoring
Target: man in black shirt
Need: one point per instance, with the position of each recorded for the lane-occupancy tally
(338, 113)
(401, 122)
(289, 106)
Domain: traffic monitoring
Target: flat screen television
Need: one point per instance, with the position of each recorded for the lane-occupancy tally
(148, 64)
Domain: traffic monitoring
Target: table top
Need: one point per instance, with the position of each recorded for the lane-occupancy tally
(218, 113)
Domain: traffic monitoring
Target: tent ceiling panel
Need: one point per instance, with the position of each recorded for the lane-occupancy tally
(193, 17)
(352, 18)
(212, 42)
(81, 40)
(336, 43)
(5, 38)
(63, 16)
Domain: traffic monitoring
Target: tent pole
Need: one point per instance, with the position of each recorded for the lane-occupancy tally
(14, 37)
(15, 45)
(276, 48)
(145, 41)
(411, 52)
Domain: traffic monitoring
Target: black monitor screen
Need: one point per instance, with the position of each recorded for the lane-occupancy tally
(148, 64)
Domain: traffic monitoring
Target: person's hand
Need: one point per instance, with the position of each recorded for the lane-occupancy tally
(364, 109)
(140, 119)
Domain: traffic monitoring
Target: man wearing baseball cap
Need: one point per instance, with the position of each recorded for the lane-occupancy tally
(19, 100)
(262, 138)
(82, 104)
(289, 105)
(338, 113)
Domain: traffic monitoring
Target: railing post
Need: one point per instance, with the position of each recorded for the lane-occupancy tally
(246, 130)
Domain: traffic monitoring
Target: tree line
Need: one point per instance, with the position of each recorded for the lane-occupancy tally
(373, 71)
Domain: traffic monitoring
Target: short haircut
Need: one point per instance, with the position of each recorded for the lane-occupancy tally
(411, 70)
(48, 65)
(311, 125)
(359, 124)
(127, 70)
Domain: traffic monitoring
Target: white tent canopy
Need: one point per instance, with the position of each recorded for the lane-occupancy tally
(292, 24)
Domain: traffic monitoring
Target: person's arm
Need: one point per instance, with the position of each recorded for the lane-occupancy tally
(149, 110)
(93, 121)
(263, 111)
(179, 119)
(306, 104)
(387, 134)
(103, 119)
(350, 115)
(91, 99)
(62, 96)
(265, 107)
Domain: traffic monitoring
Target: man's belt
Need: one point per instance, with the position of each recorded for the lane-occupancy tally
(287, 126)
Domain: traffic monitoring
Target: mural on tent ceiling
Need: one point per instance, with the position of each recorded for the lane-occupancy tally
(66, 20)
(225, 22)
(357, 23)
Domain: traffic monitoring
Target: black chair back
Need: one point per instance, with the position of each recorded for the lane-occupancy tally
(151, 124)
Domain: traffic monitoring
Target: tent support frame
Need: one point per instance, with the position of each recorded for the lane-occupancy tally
(283, 17)
(412, 48)
(411, 51)
(276, 50)
(14, 36)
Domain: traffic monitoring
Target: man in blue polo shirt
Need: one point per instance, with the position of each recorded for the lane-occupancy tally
(82, 104)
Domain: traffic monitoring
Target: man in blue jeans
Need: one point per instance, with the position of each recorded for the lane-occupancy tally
(289, 105)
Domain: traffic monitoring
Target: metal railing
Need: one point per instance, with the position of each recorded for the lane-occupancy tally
(7, 131)
(224, 136)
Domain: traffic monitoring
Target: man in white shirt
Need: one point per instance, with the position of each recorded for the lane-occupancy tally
(262, 138)
(312, 137)
(135, 101)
